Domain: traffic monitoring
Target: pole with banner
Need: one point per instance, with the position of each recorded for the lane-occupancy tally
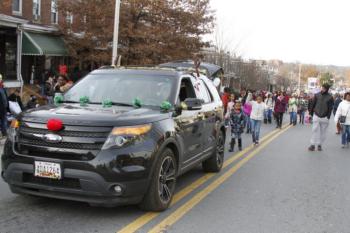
(116, 32)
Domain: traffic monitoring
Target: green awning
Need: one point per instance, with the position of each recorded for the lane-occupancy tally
(36, 44)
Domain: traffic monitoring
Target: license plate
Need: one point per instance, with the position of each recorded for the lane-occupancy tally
(48, 170)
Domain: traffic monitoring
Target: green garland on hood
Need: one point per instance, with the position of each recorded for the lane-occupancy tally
(84, 100)
(137, 103)
(107, 103)
(165, 106)
(58, 99)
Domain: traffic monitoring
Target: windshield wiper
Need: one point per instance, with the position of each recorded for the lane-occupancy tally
(70, 102)
(122, 104)
(114, 103)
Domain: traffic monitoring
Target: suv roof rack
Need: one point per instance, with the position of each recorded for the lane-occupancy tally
(183, 69)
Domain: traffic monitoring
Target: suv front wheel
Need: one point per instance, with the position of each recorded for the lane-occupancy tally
(216, 161)
(162, 184)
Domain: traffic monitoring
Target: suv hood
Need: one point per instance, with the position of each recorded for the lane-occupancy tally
(96, 115)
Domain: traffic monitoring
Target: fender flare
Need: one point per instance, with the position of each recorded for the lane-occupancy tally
(163, 145)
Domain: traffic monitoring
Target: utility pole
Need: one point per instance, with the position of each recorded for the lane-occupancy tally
(116, 32)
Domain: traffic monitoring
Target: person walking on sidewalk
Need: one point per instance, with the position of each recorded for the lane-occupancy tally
(280, 108)
(321, 110)
(237, 123)
(257, 116)
(342, 117)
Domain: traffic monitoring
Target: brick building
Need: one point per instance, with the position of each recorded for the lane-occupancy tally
(30, 43)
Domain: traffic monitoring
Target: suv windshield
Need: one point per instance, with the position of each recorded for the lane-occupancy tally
(123, 89)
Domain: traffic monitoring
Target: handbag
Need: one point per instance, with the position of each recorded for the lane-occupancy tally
(342, 119)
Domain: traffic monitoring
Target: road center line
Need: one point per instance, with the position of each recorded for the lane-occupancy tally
(186, 207)
(149, 216)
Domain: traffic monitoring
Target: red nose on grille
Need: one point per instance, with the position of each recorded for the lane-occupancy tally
(54, 125)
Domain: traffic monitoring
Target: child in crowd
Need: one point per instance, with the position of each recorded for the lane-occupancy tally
(293, 109)
(231, 104)
(257, 116)
(237, 123)
(269, 107)
(230, 107)
(247, 109)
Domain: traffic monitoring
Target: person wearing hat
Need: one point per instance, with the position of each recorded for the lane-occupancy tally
(321, 109)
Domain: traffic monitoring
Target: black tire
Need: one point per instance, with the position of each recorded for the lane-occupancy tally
(162, 185)
(216, 161)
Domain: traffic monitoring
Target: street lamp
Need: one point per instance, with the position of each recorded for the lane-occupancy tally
(116, 32)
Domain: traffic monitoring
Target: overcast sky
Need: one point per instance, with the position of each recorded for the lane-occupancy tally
(310, 31)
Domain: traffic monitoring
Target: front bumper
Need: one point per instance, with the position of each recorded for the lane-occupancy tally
(86, 181)
(77, 185)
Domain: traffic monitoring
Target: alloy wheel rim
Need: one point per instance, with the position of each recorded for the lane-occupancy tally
(166, 180)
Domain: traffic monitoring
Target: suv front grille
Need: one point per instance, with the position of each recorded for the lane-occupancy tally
(64, 183)
(65, 145)
(66, 133)
(79, 142)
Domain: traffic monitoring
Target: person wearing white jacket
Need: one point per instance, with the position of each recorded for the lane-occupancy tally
(344, 110)
(256, 117)
(269, 108)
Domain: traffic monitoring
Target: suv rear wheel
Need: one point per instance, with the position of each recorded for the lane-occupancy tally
(216, 161)
(162, 184)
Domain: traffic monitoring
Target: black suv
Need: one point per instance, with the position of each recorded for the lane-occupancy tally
(119, 136)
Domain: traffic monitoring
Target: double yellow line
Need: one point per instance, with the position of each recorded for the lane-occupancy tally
(181, 211)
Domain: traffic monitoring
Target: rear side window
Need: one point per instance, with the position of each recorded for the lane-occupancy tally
(212, 90)
(201, 91)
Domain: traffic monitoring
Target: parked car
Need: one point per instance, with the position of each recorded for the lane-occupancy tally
(119, 136)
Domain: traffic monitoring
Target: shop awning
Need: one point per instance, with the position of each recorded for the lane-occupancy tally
(36, 44)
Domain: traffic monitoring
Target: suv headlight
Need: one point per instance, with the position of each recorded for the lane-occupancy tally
(121, 136)
(12, 130)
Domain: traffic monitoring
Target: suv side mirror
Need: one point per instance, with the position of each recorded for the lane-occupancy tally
(193, 103)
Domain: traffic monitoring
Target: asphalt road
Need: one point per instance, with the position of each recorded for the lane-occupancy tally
(276, 187)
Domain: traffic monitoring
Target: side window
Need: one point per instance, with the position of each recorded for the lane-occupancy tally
(213, 91)
(208, 92)
(186, 90)
(201, 91)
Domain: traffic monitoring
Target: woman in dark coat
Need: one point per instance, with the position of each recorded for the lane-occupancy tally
(280, 108)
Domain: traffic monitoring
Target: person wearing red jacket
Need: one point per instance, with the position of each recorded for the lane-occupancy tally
(225, 98)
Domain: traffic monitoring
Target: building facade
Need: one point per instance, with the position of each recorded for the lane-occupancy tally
(30, 43)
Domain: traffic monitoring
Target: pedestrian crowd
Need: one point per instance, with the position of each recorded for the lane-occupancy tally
(248, 110)
(11, 104)
(55, 84)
